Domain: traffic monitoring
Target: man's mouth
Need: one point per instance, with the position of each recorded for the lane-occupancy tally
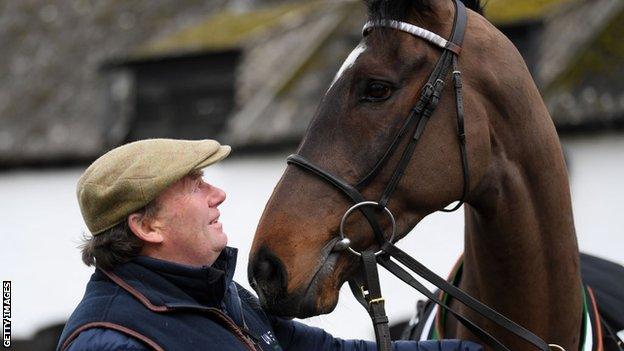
(215, 220)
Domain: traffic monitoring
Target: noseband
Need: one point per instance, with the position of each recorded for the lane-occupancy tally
(369, 293)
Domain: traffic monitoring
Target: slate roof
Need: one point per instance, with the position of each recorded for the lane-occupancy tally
(228, 29)
(51, 104)
(582, 76)
(505, 12)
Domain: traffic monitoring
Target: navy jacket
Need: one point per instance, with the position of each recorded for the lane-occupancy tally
(150, 304)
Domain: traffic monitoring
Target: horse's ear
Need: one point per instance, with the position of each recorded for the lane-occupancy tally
(395, 9)
(375, 8)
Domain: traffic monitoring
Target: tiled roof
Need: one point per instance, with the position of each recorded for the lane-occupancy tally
(51, 96)
(51, 105)
(227, 29)
(586, 88)
(511, 11)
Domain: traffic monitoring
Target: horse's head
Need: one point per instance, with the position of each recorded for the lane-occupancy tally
(292, 266)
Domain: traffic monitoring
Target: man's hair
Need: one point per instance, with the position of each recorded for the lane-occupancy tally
(116, 245)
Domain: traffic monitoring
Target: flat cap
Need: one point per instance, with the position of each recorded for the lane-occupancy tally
(128, 177)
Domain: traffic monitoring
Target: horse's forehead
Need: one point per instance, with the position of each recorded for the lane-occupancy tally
(350, 60)
(402, 46)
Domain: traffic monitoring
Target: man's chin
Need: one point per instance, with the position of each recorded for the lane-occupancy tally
(219, 241)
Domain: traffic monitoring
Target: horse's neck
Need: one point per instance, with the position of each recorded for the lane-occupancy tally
(521, 254)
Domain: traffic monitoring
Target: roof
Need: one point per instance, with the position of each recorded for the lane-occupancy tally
(51, 106)
(290, 53)
(601, 58)
(227, 29)
(501, 12)
(588, 89)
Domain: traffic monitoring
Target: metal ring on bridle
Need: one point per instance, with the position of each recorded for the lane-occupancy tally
(356, 206)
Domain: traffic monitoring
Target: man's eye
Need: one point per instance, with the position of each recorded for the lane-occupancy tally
(377, 91)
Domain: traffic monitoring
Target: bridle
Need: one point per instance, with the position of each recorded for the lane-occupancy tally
(369, 293)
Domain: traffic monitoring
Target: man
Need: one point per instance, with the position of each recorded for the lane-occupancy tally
(163, 278)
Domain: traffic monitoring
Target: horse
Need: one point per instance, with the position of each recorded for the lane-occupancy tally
(521, 255)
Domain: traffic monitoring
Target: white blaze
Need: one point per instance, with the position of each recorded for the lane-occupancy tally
(349, 62)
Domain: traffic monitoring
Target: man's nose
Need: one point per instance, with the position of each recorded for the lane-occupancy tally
(217, 196)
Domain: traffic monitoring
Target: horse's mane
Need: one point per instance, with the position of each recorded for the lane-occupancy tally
(399, 9)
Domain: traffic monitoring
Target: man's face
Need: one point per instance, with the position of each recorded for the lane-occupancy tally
(188, 219)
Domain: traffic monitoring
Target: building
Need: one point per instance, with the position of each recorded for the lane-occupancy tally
(252, 75)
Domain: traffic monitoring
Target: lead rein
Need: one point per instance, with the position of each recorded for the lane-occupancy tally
(390, 250)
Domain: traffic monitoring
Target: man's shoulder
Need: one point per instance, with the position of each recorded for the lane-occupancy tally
(102, 339)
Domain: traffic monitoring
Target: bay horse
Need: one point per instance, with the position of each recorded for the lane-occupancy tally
(521, 255)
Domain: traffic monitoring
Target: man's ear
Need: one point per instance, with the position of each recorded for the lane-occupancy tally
(144, 228)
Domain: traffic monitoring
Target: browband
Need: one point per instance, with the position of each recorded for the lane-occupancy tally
(414, 30)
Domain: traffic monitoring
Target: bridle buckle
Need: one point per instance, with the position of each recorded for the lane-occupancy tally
(377, 300)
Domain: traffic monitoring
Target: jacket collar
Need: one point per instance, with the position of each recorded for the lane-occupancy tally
(163, 285)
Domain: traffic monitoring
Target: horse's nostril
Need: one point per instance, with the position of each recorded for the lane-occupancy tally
(268, 273)
(264, 270)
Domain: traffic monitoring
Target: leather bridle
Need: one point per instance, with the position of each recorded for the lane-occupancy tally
(369, 293)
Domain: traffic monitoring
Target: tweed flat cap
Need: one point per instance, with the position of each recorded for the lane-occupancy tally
(127, 178)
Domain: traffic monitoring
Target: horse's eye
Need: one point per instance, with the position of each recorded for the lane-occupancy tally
(376, 91)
